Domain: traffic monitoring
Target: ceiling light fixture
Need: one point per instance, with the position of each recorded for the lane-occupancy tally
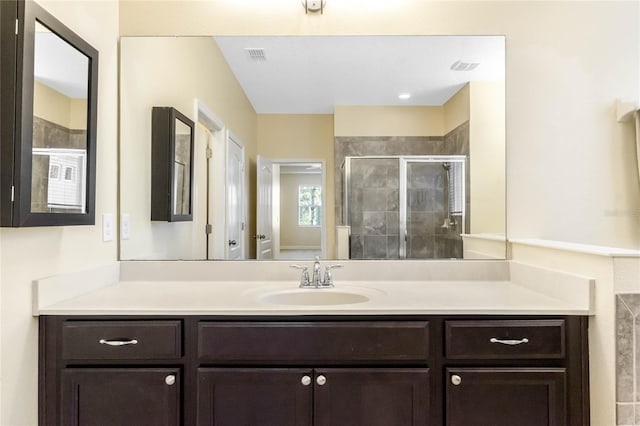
(404, 96)
(314, 5)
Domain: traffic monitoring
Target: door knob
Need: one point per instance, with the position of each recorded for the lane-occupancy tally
(456, 380)
(321, 380)
(232, 243)
(306, 380)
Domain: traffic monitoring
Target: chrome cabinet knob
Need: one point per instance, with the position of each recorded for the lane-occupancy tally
(456, 380)
(321, 380)
(306, 380)
(170, 379)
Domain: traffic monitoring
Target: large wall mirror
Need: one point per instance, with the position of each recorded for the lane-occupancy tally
(49, 162)
(347, 147)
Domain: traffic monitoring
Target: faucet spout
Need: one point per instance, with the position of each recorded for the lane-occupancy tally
(316, 279)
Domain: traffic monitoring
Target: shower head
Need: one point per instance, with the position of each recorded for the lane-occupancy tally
(446, 165)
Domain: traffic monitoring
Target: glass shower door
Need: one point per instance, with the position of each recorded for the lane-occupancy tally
(432, 228)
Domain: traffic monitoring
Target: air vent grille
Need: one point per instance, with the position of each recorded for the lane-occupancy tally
(464, 66)
(255, 54)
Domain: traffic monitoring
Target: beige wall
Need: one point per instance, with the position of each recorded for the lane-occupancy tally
(388, 121)
(32, 253)
(302, 137)
(456, 109)
(291, 234)
(57, 108)
(172, 71)
(487, 157)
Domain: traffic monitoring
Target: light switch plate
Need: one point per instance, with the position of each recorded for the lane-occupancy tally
(107, 227)
(125, 226)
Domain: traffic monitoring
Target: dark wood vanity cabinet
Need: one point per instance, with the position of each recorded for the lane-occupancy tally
(316, 371)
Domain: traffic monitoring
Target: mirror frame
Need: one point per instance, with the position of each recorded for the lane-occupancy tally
(163, 155)
(17, 116)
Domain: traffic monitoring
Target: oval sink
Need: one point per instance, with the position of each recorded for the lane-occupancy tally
(315, 297)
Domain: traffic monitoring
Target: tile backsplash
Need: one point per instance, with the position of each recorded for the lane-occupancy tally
(627, 357)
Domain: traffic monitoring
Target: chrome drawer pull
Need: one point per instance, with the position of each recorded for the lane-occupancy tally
(509, 342)
(118, 342)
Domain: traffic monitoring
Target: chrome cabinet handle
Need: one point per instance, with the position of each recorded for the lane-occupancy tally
(306, 380)
(170, 379)
(321, 380)
(118, 342)
(509, 342)
(456, 380)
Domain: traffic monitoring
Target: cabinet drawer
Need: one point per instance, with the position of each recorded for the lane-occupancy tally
(310, 342)
(505, 339)
(115, 340)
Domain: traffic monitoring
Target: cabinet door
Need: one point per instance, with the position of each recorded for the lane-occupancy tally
(254, 397)
(120, 396)
(372, 397)
(505, 397)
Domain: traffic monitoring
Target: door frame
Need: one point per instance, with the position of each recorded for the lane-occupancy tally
(215, 196)
(323, 179)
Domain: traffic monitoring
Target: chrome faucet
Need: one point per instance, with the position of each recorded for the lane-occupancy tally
(317, 280)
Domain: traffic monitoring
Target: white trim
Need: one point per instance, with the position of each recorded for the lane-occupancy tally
(576, 247)
(207, 118)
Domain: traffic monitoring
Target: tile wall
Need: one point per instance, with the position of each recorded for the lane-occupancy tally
(628, 359)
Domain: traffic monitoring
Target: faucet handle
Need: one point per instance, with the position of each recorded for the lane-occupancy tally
(328, 278)
(304, 279)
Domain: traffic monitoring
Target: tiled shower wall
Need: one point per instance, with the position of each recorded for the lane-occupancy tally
(628, 359)
(49, 135)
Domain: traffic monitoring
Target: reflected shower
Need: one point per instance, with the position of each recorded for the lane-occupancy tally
(405, 207)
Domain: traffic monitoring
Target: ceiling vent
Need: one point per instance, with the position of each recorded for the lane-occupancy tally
(255, 54)
(464, 66)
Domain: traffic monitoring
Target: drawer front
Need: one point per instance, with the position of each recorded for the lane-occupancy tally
(114, 340)
(312, 342)
(505, 339)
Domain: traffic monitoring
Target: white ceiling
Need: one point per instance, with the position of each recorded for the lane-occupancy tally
(312, 74)
(59, 65)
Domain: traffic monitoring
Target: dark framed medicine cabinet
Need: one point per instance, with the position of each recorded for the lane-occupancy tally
(48, 116)
(172, 138)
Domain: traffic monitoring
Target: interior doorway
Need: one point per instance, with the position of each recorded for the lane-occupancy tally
(291, 212)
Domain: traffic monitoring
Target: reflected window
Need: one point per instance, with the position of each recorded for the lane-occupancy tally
(309, 205)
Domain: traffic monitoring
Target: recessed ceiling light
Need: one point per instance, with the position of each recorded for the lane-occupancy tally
(404, 95)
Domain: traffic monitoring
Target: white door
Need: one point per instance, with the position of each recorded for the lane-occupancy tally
(235, 201)
(264, 213)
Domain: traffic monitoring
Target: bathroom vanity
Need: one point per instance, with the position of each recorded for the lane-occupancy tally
(314, 370)
(145, 348)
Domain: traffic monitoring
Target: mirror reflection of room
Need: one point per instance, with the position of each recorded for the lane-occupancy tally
(182, 166)
(60, 96)
(439, 116)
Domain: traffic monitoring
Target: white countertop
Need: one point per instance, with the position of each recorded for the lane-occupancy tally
(247, 298)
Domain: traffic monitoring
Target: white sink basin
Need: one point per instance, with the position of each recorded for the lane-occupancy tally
(314, 297)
